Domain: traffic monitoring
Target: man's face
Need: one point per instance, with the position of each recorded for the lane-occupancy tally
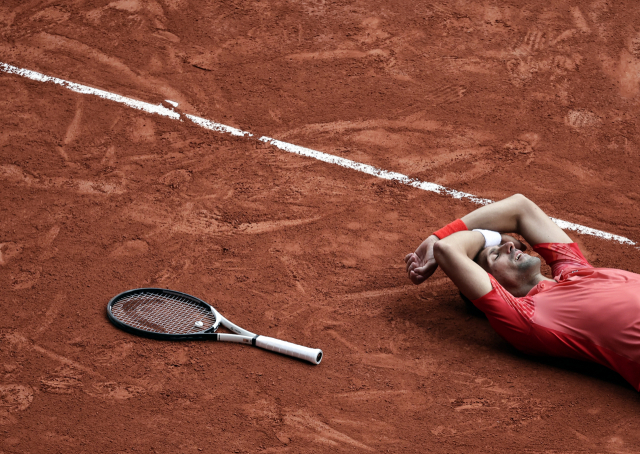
(510, 266)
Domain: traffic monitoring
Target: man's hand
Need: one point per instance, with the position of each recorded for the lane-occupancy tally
(421, 264)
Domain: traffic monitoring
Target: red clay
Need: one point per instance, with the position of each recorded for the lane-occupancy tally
(97, 198)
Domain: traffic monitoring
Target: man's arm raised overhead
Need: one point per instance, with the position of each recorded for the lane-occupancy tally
(517, 214)
(513, 214)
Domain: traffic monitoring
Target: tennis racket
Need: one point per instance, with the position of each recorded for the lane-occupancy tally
(165, 314)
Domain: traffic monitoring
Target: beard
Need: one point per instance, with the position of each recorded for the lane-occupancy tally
(527, 268)
(528, 263)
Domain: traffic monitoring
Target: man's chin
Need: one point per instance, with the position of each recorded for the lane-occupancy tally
(529, 262)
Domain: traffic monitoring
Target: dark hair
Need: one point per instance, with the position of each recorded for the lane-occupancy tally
(477, 258)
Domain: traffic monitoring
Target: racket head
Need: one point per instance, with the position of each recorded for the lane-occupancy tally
(163, 314)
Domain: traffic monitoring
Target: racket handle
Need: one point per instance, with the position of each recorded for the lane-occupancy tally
(313, 355)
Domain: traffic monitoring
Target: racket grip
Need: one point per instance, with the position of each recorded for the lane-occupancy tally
(313, 355)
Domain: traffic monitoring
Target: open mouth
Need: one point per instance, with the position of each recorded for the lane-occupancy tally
(518, 255)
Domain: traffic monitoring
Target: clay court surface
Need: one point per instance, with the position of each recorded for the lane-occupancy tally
(491, 98)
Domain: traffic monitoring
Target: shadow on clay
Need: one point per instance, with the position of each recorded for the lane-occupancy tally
(574, 366)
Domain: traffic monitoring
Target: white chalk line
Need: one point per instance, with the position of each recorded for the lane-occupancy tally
(320, 156)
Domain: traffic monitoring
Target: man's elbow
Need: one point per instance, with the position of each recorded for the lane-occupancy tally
(523, 204)
(520, 199)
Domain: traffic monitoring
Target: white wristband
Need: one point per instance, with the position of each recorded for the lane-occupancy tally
(491, 238)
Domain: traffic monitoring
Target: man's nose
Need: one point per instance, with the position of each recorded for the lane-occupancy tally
(508, 246)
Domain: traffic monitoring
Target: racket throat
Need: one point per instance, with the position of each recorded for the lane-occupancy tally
(253, 341)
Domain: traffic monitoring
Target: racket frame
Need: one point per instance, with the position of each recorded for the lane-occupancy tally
(241, 336)
(207, 333)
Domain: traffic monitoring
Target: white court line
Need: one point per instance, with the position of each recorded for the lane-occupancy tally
(320, 156)
(150, 108)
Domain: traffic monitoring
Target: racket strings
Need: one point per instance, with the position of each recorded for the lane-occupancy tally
(165, 314)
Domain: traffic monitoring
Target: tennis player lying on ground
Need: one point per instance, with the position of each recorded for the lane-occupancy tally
(583, 312)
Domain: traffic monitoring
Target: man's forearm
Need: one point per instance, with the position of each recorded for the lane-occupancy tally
(454, 254)
(520, 215)
(467, 243)
(502, 216)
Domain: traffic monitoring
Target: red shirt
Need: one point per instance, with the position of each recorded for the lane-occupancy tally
(587, 313)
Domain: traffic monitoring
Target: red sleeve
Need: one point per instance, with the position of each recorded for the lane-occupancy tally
(561, 256)
(508, 315)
